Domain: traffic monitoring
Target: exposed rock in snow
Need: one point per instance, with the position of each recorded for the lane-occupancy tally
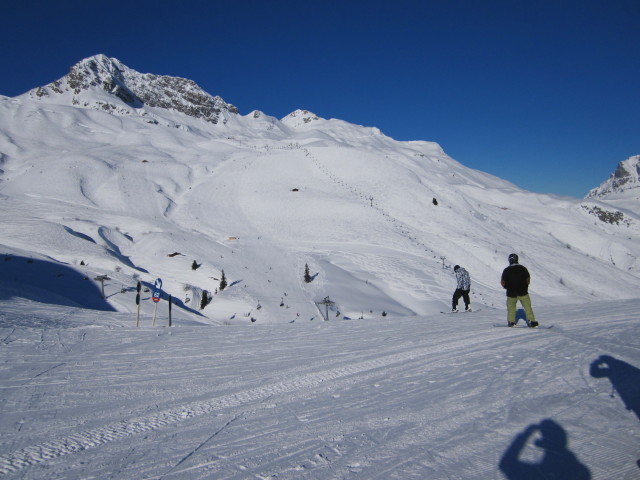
(127, 89)
(300, 117)
(624, 181)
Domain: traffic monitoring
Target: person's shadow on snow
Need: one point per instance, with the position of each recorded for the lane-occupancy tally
(556, 461)
(624, 378)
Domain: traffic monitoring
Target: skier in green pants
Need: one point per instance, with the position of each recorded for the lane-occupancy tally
(515, 279)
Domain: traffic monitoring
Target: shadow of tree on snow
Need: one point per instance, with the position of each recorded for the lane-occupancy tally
(548, 443)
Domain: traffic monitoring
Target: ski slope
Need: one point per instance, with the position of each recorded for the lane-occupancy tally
(261, 198)
(87, 395)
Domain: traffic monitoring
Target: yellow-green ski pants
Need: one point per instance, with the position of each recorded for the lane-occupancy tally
(512, 303)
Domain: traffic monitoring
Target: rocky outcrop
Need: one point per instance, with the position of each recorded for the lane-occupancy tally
(625, 180)
(100, 74)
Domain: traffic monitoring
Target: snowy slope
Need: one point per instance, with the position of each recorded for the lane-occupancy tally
(87, 395)
(136, 176)
(124, 194)
(148, 185)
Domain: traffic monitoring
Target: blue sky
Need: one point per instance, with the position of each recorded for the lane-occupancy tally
(545, 94)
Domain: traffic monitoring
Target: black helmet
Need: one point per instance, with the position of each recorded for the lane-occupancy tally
(455, 269)
(513, 258)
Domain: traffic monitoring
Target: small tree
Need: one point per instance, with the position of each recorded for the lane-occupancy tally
(307, 277)
(206, 299)
(223, 282)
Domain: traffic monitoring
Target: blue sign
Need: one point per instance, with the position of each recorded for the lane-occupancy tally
(157, 290)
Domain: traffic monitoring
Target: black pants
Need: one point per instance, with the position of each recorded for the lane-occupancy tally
(461, 293)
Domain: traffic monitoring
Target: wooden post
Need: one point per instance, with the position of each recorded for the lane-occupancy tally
(155, 309)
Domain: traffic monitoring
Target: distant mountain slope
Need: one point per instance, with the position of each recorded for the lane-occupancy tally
(139, 176)
(625, 181)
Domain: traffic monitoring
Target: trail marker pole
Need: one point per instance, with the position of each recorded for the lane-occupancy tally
(157, 293)
(155, 309)
(170, 303)
(138, 288)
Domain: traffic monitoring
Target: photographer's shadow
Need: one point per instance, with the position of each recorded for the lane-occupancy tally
(624, 378)
(557, 461)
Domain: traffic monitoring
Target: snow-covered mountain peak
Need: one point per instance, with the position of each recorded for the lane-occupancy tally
(625, 181)
(300, 117)
(307, 124)
(105, 83)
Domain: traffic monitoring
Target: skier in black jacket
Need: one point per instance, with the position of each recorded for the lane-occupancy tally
(515, 279)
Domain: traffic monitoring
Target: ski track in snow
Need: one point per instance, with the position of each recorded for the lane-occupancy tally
(323, 400)
(96, 437)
